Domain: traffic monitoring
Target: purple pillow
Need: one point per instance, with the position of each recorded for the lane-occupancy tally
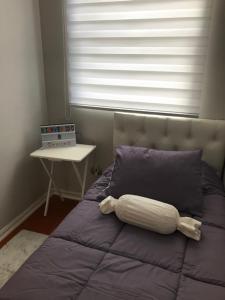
(169, 176)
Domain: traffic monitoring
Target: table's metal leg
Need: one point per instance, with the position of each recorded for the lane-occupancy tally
(84, 177)
(49, 189)
(51, 177)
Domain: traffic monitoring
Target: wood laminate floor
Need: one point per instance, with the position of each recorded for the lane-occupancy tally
(37, 222)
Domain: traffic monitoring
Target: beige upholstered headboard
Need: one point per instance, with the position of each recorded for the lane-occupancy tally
(172, 133)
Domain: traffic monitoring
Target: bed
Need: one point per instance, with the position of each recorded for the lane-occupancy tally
(91, 256)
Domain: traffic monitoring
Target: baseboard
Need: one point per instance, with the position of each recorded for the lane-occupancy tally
(6, 230)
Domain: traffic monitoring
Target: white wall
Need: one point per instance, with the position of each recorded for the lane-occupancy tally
(213, 96)
(22, 106)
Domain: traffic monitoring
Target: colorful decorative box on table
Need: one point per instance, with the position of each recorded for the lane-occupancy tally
(60, 135)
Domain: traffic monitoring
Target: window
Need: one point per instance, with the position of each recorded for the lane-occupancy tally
(137, 54)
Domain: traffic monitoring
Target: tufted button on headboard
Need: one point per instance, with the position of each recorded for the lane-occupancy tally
(172, 133)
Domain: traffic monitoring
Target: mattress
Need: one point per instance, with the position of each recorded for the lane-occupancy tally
(91, 256)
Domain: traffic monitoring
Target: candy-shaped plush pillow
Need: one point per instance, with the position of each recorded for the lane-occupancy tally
(151, 214)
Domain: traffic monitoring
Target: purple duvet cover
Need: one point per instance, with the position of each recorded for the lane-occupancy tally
(92, 256)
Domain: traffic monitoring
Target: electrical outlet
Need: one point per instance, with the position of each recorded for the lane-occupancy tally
(96, 171)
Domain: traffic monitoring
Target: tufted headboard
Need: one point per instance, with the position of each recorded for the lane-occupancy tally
(172, 133)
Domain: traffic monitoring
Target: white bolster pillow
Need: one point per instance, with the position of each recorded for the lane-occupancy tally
(151, 214)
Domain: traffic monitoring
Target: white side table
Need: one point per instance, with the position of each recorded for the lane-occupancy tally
(75, 154)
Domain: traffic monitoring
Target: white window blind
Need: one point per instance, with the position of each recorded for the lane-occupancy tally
(137, 54)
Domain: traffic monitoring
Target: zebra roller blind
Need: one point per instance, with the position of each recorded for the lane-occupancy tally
(137, 54)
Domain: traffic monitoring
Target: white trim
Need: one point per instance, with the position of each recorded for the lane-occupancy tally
(7, 229)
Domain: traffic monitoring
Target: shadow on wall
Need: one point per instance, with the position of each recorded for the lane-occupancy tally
(27, 180)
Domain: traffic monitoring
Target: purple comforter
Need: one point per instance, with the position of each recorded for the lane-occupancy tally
(96, 257)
